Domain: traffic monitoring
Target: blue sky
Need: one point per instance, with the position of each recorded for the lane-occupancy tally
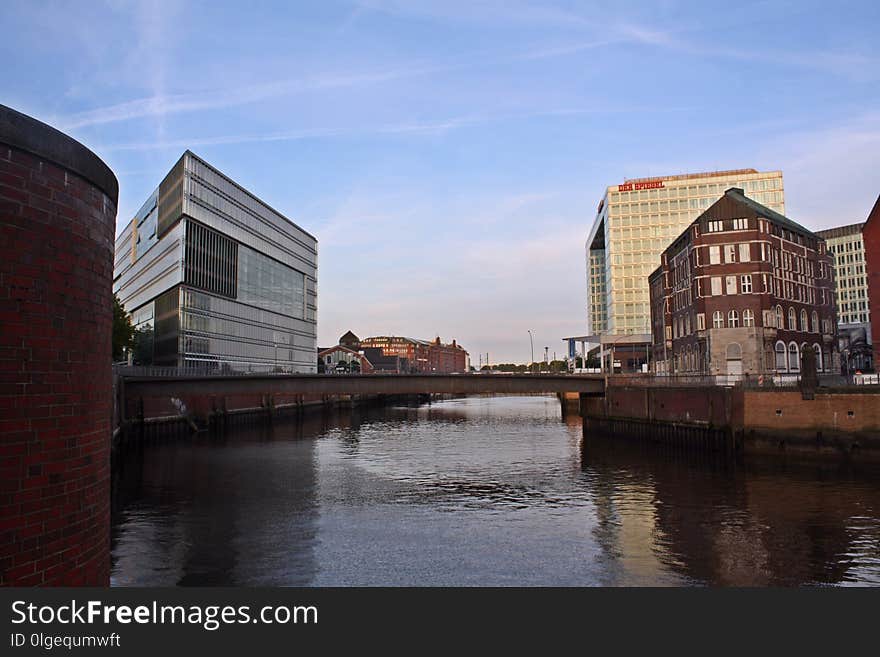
(448, 155)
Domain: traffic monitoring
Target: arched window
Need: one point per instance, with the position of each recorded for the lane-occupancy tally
(820, 365)
(815, 322)
(748, 317)
(717, 319)
(781, 363)
(804, 325)
(792, 320)
(779, 318)
(794, 357)
(733, 319)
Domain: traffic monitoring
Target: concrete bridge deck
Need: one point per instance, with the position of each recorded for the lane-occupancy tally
(361, 384)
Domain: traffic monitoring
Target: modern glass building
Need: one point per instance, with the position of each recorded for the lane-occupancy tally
(214, 278)
(635, 222)
(847, 245)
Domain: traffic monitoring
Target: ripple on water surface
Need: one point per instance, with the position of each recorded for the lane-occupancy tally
(479, 491)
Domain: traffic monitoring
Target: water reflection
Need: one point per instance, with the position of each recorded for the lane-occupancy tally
(478, 491)
(756, 523)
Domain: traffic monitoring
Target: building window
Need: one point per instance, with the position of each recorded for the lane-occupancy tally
(716, 286)
(792, 320)
(718, 319)
(804, 326)
(815, 322)
(820, 366)
(781, 363)
(731, 284)
(794, 361)
(745, 284)
(714, 255)
(730, 253)
(780, 323)
(687, 324)
(748, 318)
(716, 226)
(744, 253)
(701, 322)
(733, 319)
(740, 224)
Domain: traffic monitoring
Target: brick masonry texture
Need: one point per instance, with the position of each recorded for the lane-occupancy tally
(56, 269)
(833, 421)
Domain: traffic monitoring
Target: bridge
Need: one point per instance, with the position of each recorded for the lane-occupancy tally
(146, 397)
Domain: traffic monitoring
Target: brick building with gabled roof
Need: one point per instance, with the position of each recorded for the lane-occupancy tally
(743, 290)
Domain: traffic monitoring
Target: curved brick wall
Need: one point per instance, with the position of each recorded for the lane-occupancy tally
(57, 225)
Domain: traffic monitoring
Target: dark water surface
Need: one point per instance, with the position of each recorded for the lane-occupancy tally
(480, 491)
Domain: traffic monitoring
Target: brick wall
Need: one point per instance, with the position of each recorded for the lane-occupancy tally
(838, 412)
(702, 405)
(834, 421)
(56, 258)
(871, 236)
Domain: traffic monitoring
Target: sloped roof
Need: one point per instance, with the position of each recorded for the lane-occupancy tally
(349, 337)
(338, 348)
(737, 194)
(874, 215)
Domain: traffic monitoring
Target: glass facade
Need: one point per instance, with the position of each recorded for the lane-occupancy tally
(847, 246)
(232, 283)
(635, 223)
(146, 224)
(268, 284)
(848, 249)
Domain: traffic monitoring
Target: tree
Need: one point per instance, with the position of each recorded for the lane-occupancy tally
(123, 331)
(142, 345)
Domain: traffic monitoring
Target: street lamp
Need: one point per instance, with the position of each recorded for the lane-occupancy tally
(532, 344)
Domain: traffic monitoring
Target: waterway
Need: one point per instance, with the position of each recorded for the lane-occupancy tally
(479, 491)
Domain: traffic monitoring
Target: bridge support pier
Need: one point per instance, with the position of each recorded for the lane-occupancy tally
(570, 403)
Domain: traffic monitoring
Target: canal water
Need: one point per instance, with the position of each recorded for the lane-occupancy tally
(479, 491)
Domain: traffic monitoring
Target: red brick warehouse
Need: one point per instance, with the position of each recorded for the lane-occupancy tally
(57, 224)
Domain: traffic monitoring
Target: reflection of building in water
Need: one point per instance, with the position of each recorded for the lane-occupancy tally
(732, 525)
(223, 517)
(626, 524)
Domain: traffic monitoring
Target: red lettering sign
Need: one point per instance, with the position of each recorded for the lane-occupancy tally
(649, 184)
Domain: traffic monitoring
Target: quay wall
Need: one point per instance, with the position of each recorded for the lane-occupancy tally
(832, 422)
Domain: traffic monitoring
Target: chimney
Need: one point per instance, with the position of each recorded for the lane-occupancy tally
(453, 342)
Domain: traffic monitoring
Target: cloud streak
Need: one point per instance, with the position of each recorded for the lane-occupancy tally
(430, 127)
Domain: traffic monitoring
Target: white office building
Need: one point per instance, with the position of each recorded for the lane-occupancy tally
(214, 278)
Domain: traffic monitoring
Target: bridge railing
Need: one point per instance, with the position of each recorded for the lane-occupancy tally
(750, 381)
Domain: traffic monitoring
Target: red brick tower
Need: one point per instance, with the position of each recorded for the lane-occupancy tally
(57, 224)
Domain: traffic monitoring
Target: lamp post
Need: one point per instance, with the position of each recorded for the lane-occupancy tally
(532, 345)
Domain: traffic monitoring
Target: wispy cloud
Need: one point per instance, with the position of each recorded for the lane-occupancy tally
(427, 127)
(831, 174)
(221, 98)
